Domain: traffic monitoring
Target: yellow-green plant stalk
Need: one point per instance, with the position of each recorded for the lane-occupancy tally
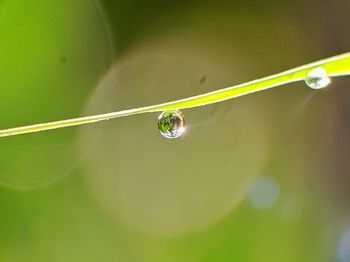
(334, 66)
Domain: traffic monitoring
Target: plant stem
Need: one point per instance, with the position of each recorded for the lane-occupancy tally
(335, 66)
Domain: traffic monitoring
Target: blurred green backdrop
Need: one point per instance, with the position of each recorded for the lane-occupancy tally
(262, 178)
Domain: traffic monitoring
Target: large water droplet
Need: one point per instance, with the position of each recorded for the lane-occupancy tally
(171, 124)
(317, 78)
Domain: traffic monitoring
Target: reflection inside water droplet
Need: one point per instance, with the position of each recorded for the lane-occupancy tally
(317, 78)
(171, 124)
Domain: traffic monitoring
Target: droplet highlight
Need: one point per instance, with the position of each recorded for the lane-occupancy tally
(171, 124)
(317, 78)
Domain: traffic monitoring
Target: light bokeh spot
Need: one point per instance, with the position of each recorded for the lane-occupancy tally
(171, 187)
(264, 193)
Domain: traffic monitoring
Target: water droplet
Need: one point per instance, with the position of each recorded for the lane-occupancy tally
(317, 78)
(171, 124)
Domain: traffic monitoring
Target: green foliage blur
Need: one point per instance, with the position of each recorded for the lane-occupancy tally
(261, 178)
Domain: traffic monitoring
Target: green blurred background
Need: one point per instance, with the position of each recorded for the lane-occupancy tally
(261, 178)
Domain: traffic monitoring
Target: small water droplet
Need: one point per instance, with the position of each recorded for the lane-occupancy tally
(317, 78)
(171, 124)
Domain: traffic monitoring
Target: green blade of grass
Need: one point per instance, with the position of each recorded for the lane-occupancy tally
(335, 66)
